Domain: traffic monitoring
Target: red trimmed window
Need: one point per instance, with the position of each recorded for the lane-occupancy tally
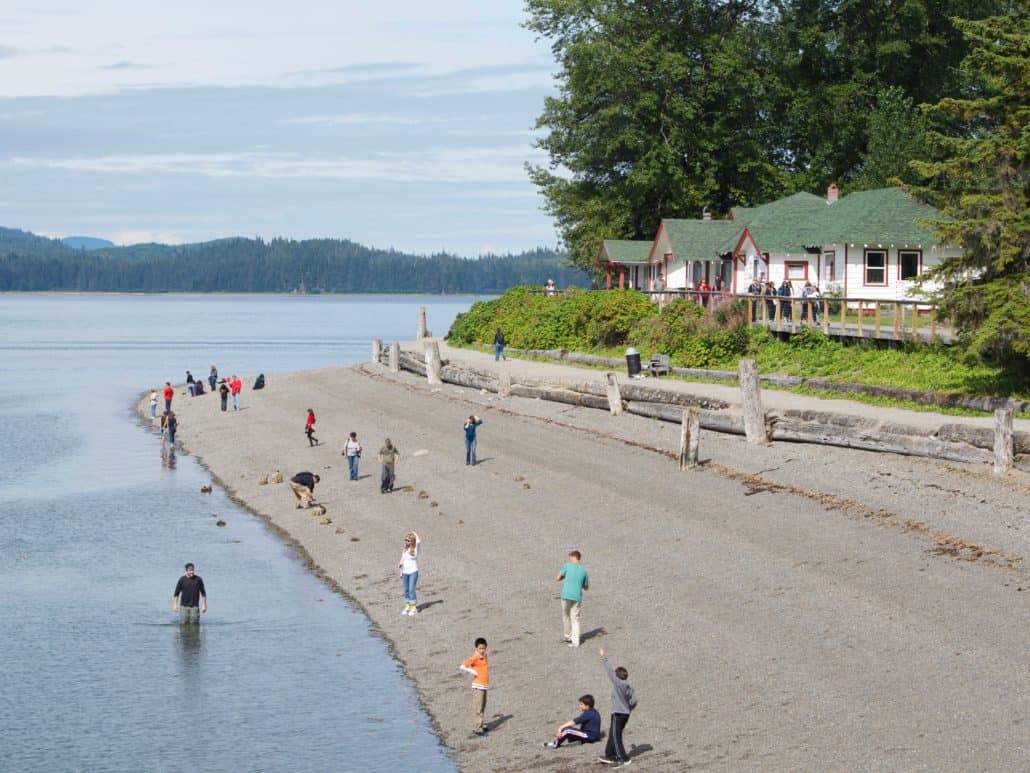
(796, 270)
(910, 264)
(875, 268)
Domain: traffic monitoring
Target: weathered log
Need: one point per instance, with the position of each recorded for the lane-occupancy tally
(716, 421)
(1002, 441)
(468, 378)
(559, 396)
(981, 437)
(869, 440)
(751, 402)
(504, 383)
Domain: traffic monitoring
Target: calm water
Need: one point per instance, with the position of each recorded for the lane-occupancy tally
(96, 524)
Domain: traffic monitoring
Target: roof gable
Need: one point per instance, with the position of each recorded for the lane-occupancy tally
(626, 250)
(701, 239)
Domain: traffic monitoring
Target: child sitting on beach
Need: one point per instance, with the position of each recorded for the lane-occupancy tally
(585, 728)
(477, 665)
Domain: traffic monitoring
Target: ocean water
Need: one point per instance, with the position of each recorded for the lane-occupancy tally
(97, 520)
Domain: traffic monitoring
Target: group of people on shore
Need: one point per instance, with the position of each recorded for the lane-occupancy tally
(168, 422)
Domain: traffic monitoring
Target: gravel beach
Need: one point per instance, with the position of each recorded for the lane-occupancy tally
(783, 607)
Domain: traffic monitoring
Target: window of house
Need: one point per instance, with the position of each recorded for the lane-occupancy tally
(830, 262)
(875, 267)
(909, 264)
(698, 273)
(797, 271)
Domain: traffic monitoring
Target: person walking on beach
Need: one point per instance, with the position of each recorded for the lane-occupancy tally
(624, 700)
(585, 727)
(470, 438)
(173, 427)
(189, 598)
(352, 450)
(168, 394)
(212, 378)
(153, 403)
(223, 390)
(235, 387)
(189, 383)
(309, 429)
(408, 567)
(574, 579)
(303, 486)
(388, 456)
(477, 665)
(499, 346)
(164, 424)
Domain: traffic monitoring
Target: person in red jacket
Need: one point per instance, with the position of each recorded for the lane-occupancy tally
(169, 393)
(235, 387)
(309, 429)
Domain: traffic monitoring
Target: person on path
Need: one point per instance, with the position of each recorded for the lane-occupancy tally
(190, 597)
(235, 387)
(470, 438)
(309, 428)
(408, 567)
(223, 390)
(169, 393)
(477, 665)
(189, 383)
(352, 450)
(624, 700)
(574, 579)
(499, 346)
(212, 378)
(173, 427)
(585, 728)
(388, 456)
(303, 486)
(153, 403)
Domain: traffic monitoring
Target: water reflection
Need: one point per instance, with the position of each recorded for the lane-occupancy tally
(167, 455)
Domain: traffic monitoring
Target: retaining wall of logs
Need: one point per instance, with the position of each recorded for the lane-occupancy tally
(952, 442)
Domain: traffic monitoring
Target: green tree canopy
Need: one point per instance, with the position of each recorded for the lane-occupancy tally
(980, 179)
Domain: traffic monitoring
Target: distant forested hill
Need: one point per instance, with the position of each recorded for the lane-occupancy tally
(33, 263)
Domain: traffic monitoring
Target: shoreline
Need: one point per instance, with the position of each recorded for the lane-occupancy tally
(674, 586)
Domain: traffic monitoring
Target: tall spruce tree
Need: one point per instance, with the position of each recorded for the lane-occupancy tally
(981, 180)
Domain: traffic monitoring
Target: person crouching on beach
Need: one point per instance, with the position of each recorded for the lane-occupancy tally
(309, 428)
(477, 665)
(352, 450)
(388, 456)
(470, 439)
(586, 727)
(303, 486)
(409, 572)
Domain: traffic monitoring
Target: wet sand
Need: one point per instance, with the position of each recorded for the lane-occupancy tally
(784, 607)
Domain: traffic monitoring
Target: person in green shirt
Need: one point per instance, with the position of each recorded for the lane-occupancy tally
(574, 579)
(388, 456)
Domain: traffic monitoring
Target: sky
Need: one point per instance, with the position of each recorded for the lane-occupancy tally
(395, 124)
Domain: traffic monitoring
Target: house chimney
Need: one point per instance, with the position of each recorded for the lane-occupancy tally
(831, 193)
(706, 214)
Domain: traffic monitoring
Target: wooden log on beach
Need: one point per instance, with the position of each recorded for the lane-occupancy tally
(468, 378)
(433, 363)
(716, 421)
(981, 437)
(558, 395)
(504, 382)
(751, 401)
(613, 395)
(1002, 441)
(377, 350)
(690, 436)
(871, 440)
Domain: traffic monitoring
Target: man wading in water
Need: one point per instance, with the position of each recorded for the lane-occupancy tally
(189, 591)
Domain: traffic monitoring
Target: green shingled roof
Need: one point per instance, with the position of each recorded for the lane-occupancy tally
(702, 239)
(785, 225)
(627, 250)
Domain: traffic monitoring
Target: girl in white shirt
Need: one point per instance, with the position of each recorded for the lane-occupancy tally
(409, 572)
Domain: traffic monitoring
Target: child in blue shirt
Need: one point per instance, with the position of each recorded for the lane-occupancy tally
(585, 728)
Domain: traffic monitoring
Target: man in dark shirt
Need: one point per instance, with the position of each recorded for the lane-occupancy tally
(303, 485)
(189, 593)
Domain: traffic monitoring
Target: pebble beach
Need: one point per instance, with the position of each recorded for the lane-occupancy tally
(782, 607)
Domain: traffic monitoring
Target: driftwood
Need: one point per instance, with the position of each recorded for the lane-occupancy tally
(717, 421)
(870, 440)
(559, 396)
(981, 437)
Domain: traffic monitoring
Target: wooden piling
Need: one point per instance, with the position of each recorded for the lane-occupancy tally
(751, 400)
(1003, 451)
(377, 350)
(433, 363)
(422, 331)
(614, 396)
(395, 357)
(690, 438)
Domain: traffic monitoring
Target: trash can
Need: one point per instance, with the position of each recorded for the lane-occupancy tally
(632, 362)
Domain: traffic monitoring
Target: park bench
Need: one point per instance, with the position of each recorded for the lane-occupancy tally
(659, 364)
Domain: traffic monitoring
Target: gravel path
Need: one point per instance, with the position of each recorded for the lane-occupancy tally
(785, 607)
